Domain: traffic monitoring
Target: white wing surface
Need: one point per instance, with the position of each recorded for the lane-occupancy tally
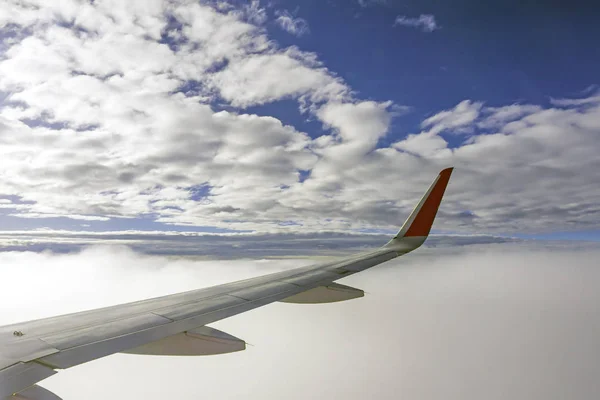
(176, 324)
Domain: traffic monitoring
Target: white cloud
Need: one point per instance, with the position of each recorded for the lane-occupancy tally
(50, 215)
(103, 120)
(426, 22)
(592, 99)
(496, 117)
(257, 79)
(368, 3)
(460, 116)
(458, 120)
(425, 144)
(295, 25)
(550, 147)
(519, 321)
(358, 126)
(255, 13)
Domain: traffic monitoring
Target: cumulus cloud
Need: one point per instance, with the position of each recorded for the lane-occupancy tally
(129, 110)
(358, 126)
(295, 25)
(494, 321)
(135, 128)
(303, 78)
(425, 22)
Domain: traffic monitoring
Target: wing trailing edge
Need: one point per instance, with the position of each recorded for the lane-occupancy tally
(35, 392)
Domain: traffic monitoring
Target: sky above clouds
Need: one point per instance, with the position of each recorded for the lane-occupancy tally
(284, 117)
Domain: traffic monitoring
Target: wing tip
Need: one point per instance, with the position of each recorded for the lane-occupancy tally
(421, 220)
(446, 171)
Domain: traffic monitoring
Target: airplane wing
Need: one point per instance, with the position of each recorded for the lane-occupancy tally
(176, 324)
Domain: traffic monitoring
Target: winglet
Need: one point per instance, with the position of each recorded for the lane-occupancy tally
(420, 220)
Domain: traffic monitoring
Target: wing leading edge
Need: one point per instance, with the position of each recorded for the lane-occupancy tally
(32, 351)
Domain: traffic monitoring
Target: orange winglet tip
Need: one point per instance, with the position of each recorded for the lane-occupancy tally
(428, 206)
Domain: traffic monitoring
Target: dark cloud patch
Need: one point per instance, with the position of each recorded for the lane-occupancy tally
(225, 246)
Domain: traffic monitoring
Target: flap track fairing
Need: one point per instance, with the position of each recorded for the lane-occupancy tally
(325, 294)
(201, 341)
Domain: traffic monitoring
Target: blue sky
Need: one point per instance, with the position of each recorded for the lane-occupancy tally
(300, 117)
(500, 54)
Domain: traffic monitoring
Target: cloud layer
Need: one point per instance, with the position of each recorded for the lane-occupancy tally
(495, 321)
(137, 109)
(221, 246)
